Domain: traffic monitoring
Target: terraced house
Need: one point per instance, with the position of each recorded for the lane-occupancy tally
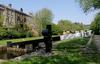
(12, 16)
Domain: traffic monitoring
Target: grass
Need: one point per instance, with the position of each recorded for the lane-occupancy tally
(94, 56)
(68, 52)
(4, 42)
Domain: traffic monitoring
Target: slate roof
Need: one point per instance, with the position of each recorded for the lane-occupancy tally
(3, 6)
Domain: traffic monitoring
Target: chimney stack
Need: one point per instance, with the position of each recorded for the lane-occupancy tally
(10, 5)
(21, 9)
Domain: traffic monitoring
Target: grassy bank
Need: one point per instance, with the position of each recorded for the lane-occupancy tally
(3, 42)
(68, 52)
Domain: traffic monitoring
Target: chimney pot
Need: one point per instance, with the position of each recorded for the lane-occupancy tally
(21, 9)
(10, 5)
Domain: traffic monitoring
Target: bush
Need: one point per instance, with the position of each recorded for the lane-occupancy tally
(11, 34)
(17, 34)
(34, 33)
(28, 34)
(3, 33)
(56, 30)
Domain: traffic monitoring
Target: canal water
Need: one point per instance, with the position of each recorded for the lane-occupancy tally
(10, 53)
(5, 55)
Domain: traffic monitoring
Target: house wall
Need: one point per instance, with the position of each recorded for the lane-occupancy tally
(12, 17)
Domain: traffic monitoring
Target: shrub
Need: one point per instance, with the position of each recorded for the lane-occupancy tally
(56, 30)
(3, 33)
(17, 34)
(28, 34)
(13, 34)
(34, 33)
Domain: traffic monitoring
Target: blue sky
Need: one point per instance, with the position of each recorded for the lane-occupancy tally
(62, 9)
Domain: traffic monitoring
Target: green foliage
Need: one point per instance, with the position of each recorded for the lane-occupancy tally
(73, 43)
(67, 25)
(42, 18)
(3, 33)
(37, 24)
(21, 27)
(45, 16)
(29, 34)
(10, 62)
(56, 30)
(95, 25)
(4, 42)
(78, 26)
(11, 34)
(87, 27)
(88, 5)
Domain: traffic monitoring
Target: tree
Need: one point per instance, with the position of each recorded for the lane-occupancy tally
(65, 25)
(88, 5)
(35, 25)
(78, 26)
(56, 30)
(45, 17)
(95, 25)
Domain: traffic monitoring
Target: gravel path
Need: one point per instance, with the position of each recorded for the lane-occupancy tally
(97, 40)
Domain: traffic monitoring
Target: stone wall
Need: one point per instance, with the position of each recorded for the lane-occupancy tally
(12, 17)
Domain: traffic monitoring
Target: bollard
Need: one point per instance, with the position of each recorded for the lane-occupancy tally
(47, 33)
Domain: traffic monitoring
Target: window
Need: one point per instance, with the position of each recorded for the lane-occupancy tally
(21, 25)
(24, 19)
(18, 18)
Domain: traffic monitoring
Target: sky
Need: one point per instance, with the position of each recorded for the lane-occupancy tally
(61, 9)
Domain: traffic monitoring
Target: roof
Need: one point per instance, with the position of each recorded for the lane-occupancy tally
(3, 6)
